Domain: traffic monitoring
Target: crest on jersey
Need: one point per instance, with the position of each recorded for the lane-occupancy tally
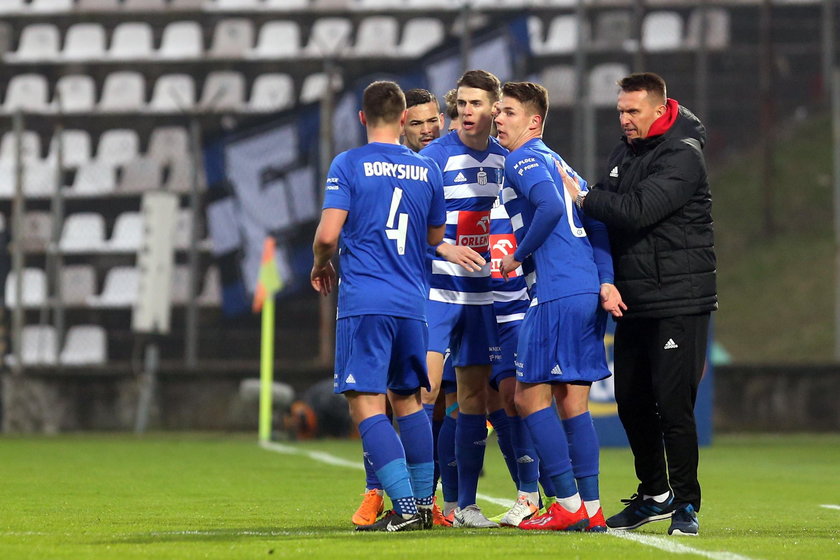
(474, 230)
(481, 177)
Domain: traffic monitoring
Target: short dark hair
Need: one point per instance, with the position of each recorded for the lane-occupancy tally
(419, 96)
(645, 81)
(383, 102)
(482, 79)
(528, 93)
(451, 99)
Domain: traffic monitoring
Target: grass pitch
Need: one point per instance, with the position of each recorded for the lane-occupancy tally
(222, 496)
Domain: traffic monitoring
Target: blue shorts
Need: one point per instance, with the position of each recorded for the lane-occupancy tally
(504, 367)
(448, 382)
(562, 341)
(469, 331)
(374, 353)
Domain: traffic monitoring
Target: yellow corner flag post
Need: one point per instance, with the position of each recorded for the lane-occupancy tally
(268, 284)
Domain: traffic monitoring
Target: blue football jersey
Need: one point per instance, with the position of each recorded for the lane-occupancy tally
(564, 264)
(392, 196)
(471, 183)
(510, 297)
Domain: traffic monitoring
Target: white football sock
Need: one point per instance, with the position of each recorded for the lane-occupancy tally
(658, 498)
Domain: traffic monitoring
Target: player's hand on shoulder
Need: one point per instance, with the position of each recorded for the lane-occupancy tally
(461, 255)
(611, 300)
(323, 278)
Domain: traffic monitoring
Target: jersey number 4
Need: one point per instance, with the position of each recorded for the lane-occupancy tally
(399, 233)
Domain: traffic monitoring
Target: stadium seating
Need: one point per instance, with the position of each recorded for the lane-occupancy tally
(278, 39)
(37, 231)
(717, 28)
(77, 284)
(173, 93)
(84, 41)
(181, 40)
(168, 143)
(120, 288)
(75, 148)
(139, 175)
(75, 93)
(232, 38)
(48, 6)
(83, 232)
(132, 41)
(123, 92)
(128, 234)
(376, 36)
(662, 31)
(271, 93)
(34, 288)
(223, 91)
(84, 345)
(27, 92)
(330, 37)
(562, 35)
(30, 147)
(118, 146)
(39, 345)
(419, 36)
(39, 41)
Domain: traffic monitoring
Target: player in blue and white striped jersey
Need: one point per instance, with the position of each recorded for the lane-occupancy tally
(460, 307)
(510, 302)
(569, 272)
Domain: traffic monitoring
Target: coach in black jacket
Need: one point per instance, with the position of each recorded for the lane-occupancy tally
(656, 203)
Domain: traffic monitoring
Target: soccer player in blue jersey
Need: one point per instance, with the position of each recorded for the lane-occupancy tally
(385, 204)
(423, 121)
(460, 305)
(568, 269)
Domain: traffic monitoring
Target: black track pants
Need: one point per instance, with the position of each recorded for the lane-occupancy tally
(658, 366)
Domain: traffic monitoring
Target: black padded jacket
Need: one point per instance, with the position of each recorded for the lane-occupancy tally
(656, 203)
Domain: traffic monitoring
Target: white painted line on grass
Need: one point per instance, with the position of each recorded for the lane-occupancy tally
(662, 543)
(670, 545)
(830, 506)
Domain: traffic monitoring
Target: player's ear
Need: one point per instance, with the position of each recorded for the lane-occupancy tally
(536, 122)
(402, 119)
(362, 118)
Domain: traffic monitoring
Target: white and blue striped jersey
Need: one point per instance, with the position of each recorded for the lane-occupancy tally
(510, 297)
(392, 196)
(471, 183)
(564, 264)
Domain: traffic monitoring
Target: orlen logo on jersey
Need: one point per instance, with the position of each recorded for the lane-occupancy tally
(474, 230)
(501, 244)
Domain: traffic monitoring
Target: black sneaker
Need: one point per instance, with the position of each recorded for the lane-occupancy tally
(684, 522)
(426, 515)
(640, 511)
(393, 521)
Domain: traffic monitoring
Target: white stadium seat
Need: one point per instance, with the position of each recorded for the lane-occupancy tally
(38, 41)
(272, 92)
(278, 39)
(420, 35)
(232, 38)
(173, 93)
(120, 288)
(78, 283)
(75, 93)
(329, 36)
(181, 40)
(84, 345)
(34, 288)
(662, 31)
(123, 92)
(131, 41)
(376, 36)
(223, 91)
(84, 41)
(83, 232)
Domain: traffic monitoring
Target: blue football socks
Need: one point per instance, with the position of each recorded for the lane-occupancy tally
(504, 434)
(527, 462)
(584, 454)
(470, 443)
(446, 460)
(386, 453)
(553, 450)
(416, 436)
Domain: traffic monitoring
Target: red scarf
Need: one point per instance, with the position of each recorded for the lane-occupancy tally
(666, 120)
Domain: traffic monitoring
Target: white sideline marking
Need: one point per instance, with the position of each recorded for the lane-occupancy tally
(670, 545)
(662, 543)
(830, 506)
